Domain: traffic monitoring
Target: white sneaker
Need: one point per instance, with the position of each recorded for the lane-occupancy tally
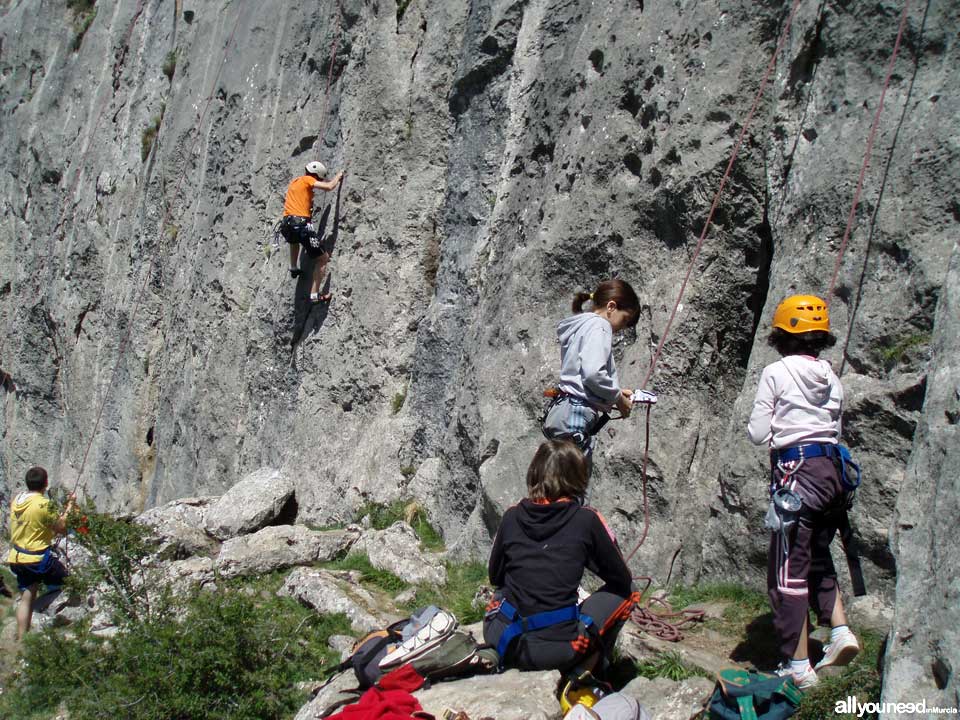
(804, 681)
(840, 652)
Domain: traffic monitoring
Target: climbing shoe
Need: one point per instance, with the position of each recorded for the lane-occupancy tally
(840, 652)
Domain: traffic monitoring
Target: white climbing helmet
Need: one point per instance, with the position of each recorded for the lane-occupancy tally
(317, 168)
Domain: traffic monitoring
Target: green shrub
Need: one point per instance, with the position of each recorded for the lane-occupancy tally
(118, 549)
(402, 6)
(900, 351)
(169, 66)
(229, 655)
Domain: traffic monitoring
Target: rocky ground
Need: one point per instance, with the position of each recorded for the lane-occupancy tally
(199, 543)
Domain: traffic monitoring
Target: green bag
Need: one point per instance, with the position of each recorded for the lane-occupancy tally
(744, 695)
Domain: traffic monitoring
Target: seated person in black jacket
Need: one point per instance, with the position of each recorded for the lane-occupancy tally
(541, 550)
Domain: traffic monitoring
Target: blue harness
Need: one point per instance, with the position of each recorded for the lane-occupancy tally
(520, 625)
(834, 452)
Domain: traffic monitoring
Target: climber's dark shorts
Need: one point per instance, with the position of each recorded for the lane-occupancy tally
(299, 230)
(51, 573)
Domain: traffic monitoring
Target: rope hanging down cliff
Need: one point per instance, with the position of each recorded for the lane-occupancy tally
(643, 616)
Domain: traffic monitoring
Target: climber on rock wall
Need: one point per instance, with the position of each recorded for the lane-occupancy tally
(297, 228)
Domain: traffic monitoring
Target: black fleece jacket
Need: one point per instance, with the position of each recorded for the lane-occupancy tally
(540, 553)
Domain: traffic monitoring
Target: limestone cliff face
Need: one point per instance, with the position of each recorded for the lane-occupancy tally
(500, 155)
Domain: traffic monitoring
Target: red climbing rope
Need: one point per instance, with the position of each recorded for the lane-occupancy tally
(713, 207)
(333, 61)
(866, 154)
(667, 623)
(146, 278)
(723, 183)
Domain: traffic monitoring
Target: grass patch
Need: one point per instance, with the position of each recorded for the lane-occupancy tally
(457, 596)
(402, 6)
(149, 135)
(383, 516)
(369, 575)
(901, 350)
(671, 666)
(396, 405)
(169, 66)
(745, 604)
(860, 678)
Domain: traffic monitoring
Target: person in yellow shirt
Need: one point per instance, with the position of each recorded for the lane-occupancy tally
(33, 524)
(297, 229)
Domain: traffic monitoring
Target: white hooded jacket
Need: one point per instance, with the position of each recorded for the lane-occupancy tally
(587, 370)
(799, 401)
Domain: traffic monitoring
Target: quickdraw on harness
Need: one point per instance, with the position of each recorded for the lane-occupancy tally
(538, 621)
(789, 460)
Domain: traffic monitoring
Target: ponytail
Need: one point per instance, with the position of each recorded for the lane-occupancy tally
(617, 290)
(579, 299)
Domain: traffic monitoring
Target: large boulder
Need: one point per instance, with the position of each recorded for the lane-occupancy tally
(179, 526)
(512, 695)
(397, 550)
(328, 593)
(282, 546)
(249, 505)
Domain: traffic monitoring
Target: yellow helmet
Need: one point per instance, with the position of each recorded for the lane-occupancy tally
(580, 695)
(802, 313)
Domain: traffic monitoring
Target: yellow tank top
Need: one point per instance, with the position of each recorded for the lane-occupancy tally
(31, 520)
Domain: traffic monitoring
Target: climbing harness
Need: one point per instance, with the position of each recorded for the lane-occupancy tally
(838, 453)
(538, 621)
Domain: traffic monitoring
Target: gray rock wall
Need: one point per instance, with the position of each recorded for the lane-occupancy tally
(500, 156)
(923, 652)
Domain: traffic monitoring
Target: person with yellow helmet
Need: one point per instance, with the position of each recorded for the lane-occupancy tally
(797, 414)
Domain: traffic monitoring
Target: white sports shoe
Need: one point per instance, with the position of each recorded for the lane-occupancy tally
(840, 652)
(804, 681)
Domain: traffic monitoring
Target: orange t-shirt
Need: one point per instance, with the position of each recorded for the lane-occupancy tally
(299, 199)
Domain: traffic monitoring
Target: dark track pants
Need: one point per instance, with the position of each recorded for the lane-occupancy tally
(543, 650)
(800, 573)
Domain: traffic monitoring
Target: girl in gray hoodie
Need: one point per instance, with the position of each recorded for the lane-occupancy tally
(589, 385)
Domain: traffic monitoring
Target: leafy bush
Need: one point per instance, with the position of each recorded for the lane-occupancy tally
(228, 655)
(397, 403)
(84, 13)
